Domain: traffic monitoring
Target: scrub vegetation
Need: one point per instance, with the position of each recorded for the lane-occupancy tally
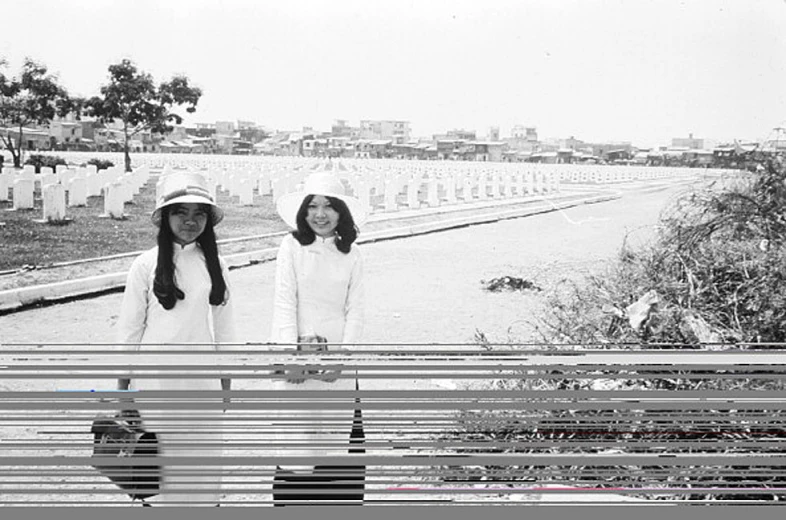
(714, 278)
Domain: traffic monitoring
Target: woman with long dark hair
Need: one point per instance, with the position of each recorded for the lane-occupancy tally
(319, 305)
(178, 293)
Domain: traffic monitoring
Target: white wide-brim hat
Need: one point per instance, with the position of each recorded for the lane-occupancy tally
(321, 183)
(182, 188)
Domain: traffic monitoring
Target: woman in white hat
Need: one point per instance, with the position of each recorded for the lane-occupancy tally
(319, 303)
(178, 292)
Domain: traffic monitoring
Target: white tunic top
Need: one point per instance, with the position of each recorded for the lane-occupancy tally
(192, 320)
(319, 290)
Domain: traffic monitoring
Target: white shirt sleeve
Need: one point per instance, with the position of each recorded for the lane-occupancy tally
(133, 311)
(285, 300)
(223, 315)
(355, 306)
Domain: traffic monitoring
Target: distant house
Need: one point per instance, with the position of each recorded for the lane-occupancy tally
(33, 139)
(692, 143)
(450, 149)
(315, 147)
(484, 151)
(381, 130)
(65, 135)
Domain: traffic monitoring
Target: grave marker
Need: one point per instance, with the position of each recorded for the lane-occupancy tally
(77, 192)
(54, 203)
(114, 193)
(23, 193)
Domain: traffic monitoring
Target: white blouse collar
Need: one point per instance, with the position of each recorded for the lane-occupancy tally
(328, 240)
(188, 248)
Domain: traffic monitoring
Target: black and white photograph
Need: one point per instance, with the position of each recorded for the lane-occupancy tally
(415, 259)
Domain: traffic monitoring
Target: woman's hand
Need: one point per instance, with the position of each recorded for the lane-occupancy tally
(298, 374)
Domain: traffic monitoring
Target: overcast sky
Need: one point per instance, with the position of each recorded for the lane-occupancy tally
(636, 70)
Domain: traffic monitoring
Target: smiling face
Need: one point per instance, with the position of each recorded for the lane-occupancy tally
(321, 217)
(188, 221)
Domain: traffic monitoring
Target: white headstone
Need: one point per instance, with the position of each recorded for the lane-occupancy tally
(47, 179)
(279, 187)
(77, 192)
(450, 189)
(60, 168)
(494, 184)
(94, 183)
(245, 191)
(466, 189)
(64, 175)
(263, 183)
(5, 184)
(114, 193)
(363, 194)
(54, 202)
(23, 193)
(391, 196)
(432, 192)
(482, 186)
(521, 185)
(413, 186)
(539, 182)
(507, 185)
(28, 172)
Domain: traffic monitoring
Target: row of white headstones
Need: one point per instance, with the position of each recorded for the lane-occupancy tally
(80, 183)
(380, 185)
(384, 191)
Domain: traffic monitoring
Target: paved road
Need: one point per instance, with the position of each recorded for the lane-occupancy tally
(420, 289)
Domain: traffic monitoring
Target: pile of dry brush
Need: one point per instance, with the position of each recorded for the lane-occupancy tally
(715, 274)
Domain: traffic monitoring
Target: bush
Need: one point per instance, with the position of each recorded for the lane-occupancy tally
(718, 269)
(101, 164)
(40, 161)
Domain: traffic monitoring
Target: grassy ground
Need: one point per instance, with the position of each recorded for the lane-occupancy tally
(28, 243)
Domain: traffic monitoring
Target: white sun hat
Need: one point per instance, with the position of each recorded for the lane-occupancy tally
(182, 188)
(320, 183)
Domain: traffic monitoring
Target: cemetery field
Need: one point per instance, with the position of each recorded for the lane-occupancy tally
(28, 243)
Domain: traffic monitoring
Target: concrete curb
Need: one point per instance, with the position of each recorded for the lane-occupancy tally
(24, 297)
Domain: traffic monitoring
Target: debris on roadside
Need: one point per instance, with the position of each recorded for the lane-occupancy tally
(509, 283)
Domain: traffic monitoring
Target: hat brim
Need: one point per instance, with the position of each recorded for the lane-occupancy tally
(289, 204)
(217, 212)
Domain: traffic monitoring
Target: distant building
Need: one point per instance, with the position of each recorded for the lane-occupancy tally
(65, 134)
(693, 143)
(484, 151)
(466, 135)
(612, 150)
(522, 142)
(225, 128)
(396, 131)
(494, 133)
(526, 133)
(340, 128)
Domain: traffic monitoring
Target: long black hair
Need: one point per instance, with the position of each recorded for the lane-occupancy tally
(164, 286)
(346, 231)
